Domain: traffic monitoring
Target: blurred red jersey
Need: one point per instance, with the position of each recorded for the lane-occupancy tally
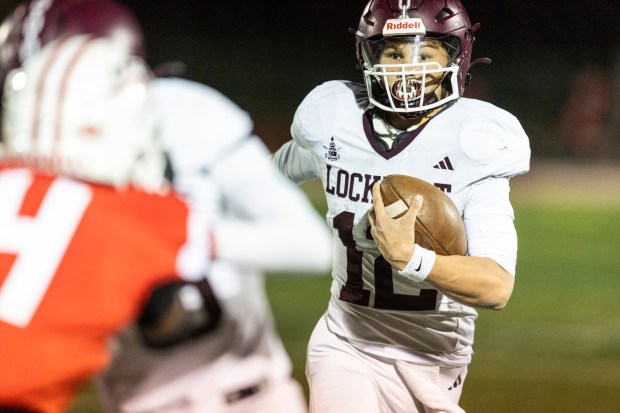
(77, 261)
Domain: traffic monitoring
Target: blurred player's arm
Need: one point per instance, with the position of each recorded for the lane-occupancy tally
(268, 223)
(276, 228)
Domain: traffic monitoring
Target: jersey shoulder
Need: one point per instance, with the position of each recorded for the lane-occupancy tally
(156, 233)
(163, 216)
(491, 137)
(196, 120)
(176, 96)
(325, 106)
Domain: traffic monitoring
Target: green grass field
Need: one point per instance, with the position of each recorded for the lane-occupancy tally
(555, 348)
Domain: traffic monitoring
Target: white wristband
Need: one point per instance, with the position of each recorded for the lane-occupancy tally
(420, 265)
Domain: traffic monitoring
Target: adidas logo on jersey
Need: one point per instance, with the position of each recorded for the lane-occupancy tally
(444, 164)
(456, 383)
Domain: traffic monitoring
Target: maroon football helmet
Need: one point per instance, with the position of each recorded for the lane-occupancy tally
(35, 23)
(414, 22)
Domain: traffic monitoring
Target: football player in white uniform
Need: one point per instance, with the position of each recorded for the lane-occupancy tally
(398, 332)
(265, 223)
(242, 366)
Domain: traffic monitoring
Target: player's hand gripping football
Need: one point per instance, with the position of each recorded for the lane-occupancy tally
(395, 238)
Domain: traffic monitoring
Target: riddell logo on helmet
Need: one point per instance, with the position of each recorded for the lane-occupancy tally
(396, 27)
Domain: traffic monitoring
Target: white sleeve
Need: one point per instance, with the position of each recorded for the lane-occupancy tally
(295, 162)
(498, 145)
(262, 220)
(274, 225)
(489, 223)
(199, 125)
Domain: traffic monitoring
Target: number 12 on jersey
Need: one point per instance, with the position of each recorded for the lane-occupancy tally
(385, 298)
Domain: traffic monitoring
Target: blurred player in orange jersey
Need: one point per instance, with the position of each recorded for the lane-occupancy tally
(88, 225)
(262, 223)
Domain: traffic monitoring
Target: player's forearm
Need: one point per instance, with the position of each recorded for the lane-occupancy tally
(299, 246)
(474, 281)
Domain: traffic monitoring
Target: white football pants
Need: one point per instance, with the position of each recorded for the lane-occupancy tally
(343, 379)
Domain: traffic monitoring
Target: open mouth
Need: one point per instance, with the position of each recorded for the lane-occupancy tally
(406, 91)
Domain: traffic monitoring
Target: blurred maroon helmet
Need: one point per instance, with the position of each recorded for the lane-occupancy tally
(35, 23)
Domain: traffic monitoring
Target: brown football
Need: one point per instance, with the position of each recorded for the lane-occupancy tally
(439, 225)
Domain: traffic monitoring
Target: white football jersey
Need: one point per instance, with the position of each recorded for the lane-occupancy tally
(225, 171)
(469, 150)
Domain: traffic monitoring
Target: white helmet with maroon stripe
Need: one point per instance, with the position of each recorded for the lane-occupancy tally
(80, 107)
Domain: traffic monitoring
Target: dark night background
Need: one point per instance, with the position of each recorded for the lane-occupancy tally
(266, 55)
(556, 66)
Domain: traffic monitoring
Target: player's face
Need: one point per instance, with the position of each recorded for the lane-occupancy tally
(429, 53)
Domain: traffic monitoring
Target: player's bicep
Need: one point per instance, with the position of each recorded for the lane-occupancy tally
(489, 223)
(295, 162)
